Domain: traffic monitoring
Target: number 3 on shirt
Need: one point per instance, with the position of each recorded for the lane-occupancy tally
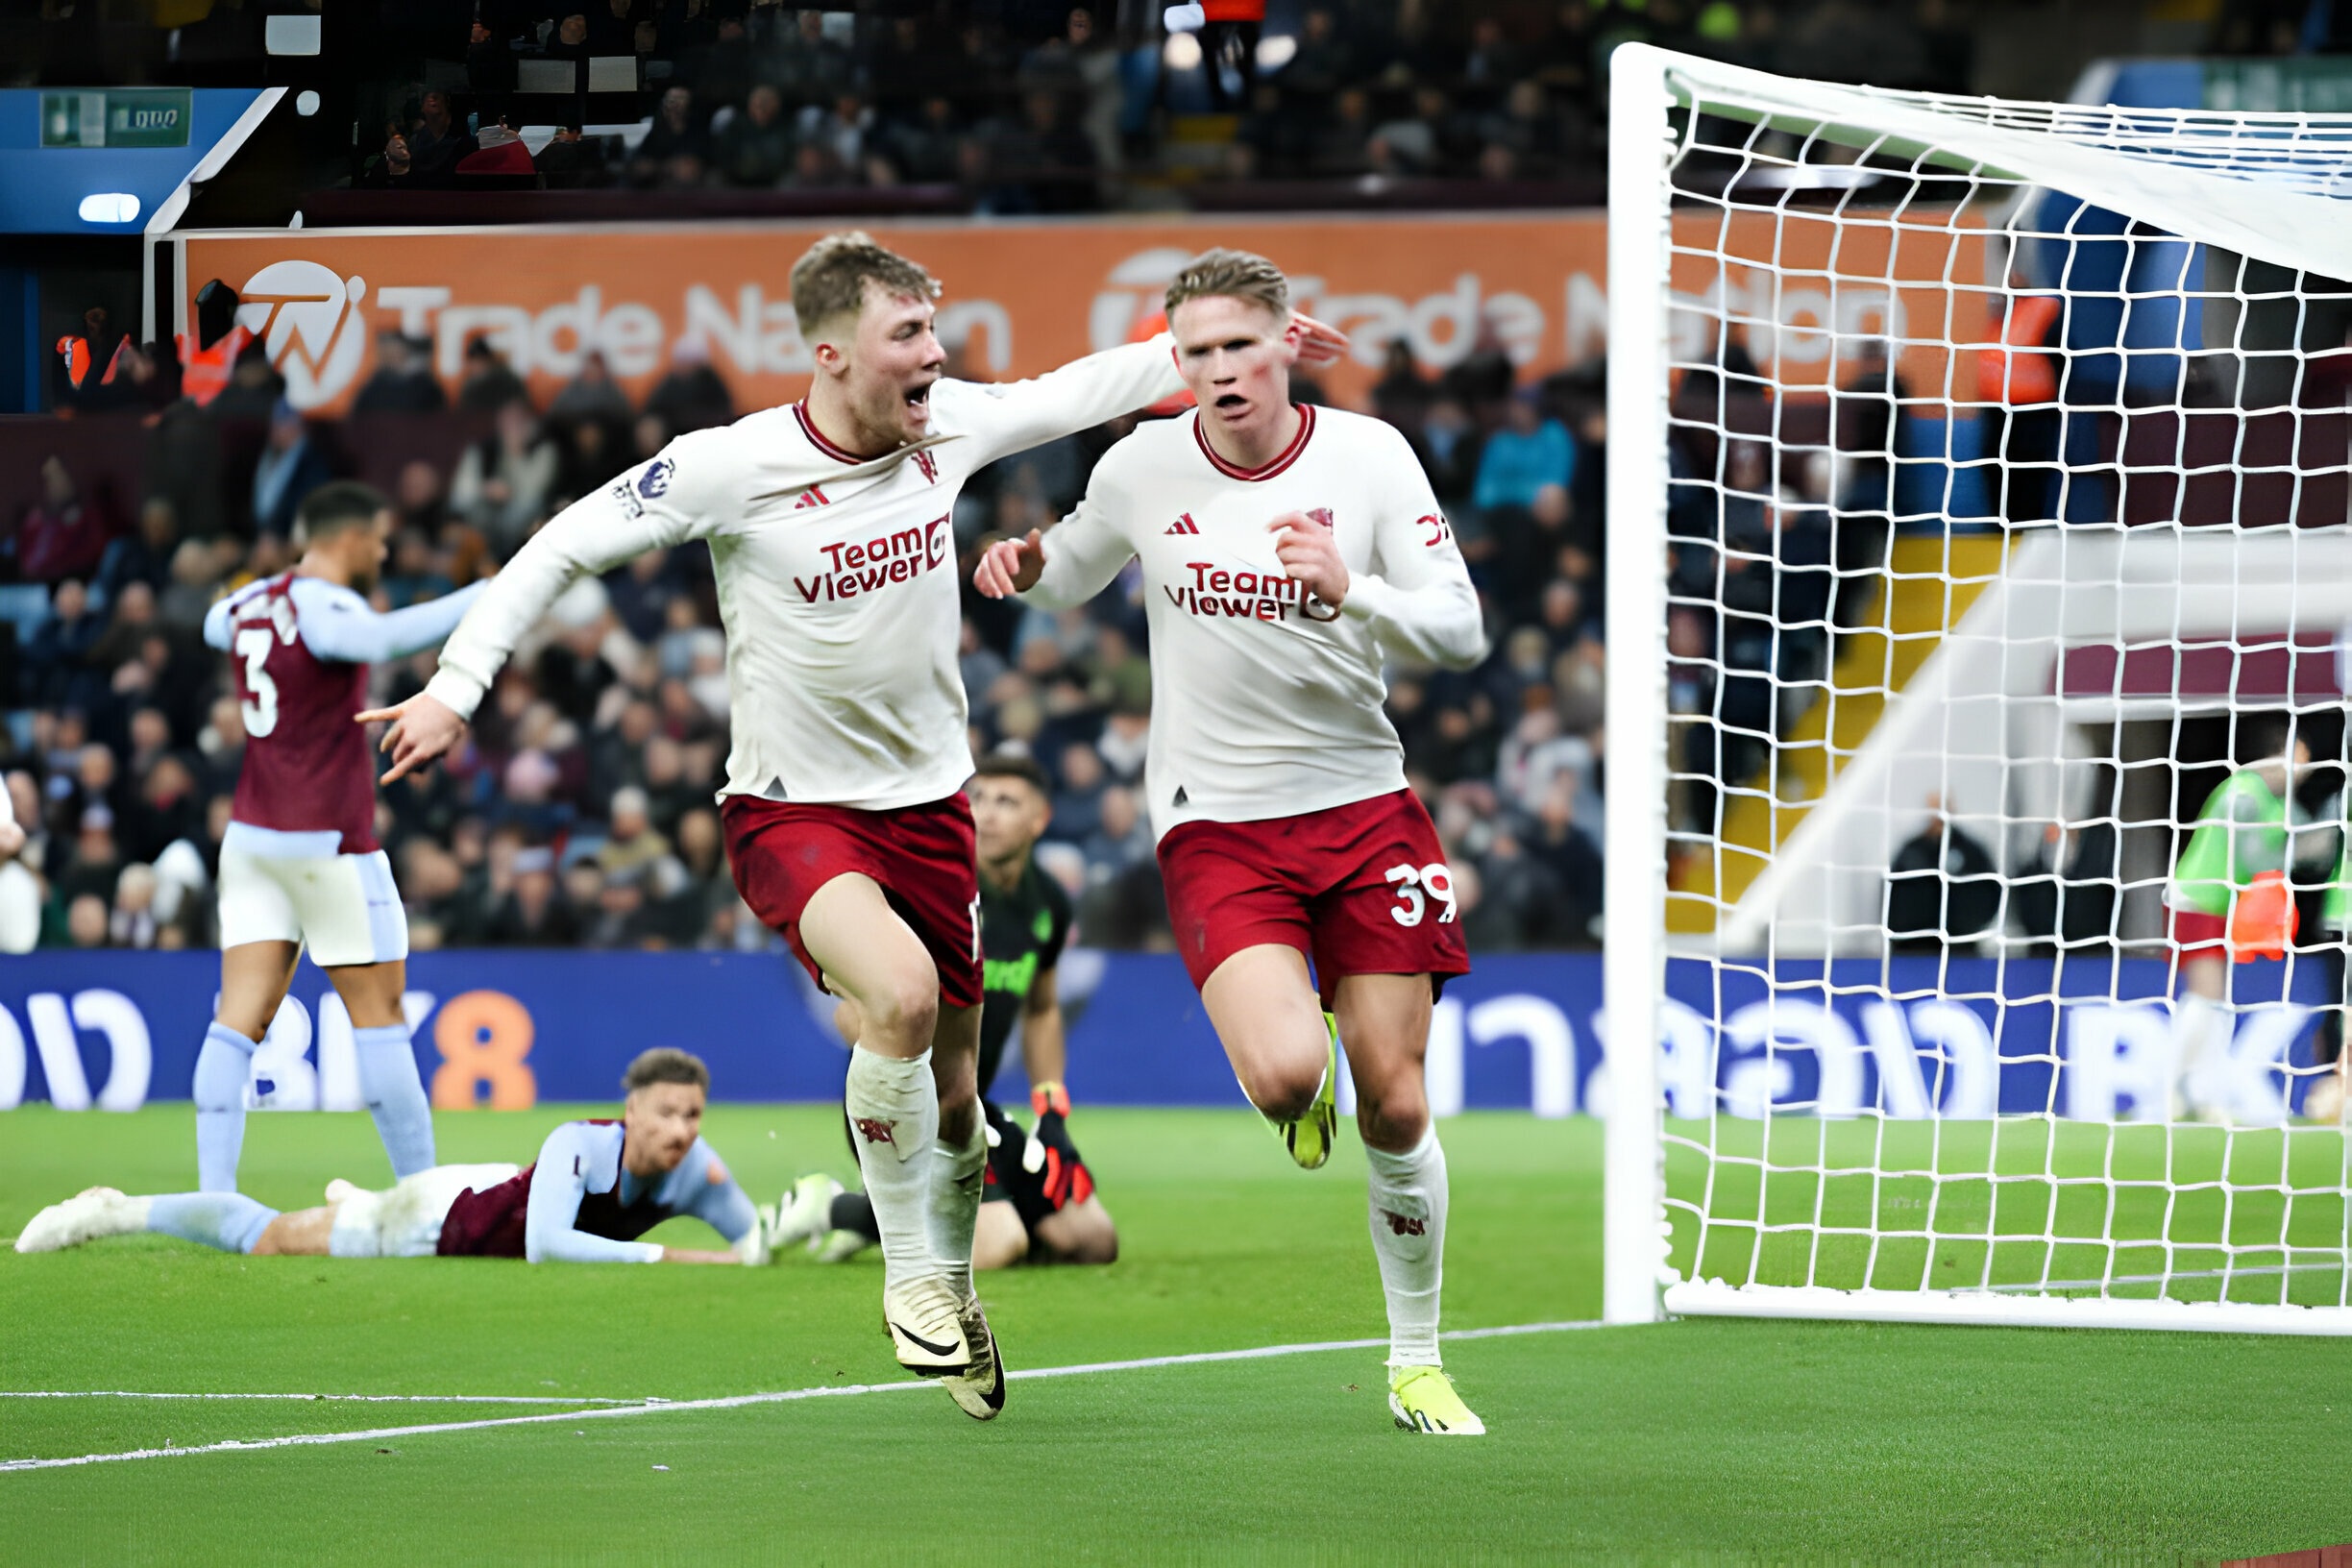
(259, 709)
(1412, 903)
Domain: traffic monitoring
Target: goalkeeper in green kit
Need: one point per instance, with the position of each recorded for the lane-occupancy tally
(2230, 901)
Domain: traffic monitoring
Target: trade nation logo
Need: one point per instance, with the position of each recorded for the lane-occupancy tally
(307, 318)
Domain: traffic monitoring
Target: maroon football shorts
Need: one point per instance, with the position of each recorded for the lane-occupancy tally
(923, 857)
(1360, 889)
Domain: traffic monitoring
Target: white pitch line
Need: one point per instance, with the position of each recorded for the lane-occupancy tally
(739, 1401)
(354, 1399)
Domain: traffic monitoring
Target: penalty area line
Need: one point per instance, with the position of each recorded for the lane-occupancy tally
(732, 1402)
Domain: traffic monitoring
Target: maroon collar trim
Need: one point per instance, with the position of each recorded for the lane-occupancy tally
(816, 439)
(1289, 454)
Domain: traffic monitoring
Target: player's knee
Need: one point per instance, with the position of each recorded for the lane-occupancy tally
(1391, 1115)
(1285, 1091)
(904, 1007)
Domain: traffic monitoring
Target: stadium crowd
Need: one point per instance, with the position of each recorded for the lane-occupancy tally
(581, 812)
(1027, 106)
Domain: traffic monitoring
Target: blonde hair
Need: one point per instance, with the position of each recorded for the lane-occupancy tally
(1236, 275)
(830, 280)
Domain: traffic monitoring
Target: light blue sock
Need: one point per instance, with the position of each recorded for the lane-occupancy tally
(223, 1069)
(231, 1221)
(396, 1097)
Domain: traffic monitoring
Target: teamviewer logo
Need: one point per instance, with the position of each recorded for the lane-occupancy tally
(308, 320)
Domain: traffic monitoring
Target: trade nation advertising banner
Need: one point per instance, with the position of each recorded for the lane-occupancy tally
(1022, 298)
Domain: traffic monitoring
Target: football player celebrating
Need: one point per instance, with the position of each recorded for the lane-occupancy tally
(299, 865)
(1039, 1201)
(596, 1187)
(831, 528)
(1287, 550)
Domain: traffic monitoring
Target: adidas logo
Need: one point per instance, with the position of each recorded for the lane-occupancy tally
(1181, 798)
(1183, 524)
(813, 496)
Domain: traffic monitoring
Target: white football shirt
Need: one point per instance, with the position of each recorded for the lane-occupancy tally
(836, 576)
(1266, 702)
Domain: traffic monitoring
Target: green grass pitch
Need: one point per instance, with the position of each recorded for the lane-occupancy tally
(1692, 1441)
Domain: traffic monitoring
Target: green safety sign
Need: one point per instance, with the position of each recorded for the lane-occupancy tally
(115, 118)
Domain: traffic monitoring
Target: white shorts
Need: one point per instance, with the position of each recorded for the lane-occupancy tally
(345, 908)
(404, 1221)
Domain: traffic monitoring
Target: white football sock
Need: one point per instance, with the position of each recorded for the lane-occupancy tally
(2202, 1028)
(1409, 1208)
(894, 1116)
(956, 1177)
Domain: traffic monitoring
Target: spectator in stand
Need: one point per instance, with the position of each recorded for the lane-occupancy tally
(809, 67)
(85, 921)
(612, 28)
(592, 396)
(754, 150)
(504, 479)
(437, 142)
(62, 534)
(498, 149)
(845, 130)
(691, 396)
(1077, 805)
(677, 150)
(490, 383)
(925, 148)
(293, 464)
(573, 162)
(55, 662)
(403, 381)
(633, 845)
(570, 40)
(1532, 450)
(533, 913)
(1944, 889)
(1341, 141)
(1121, 840)
(144, 555)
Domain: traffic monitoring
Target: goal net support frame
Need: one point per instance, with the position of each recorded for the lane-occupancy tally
(2265, 188)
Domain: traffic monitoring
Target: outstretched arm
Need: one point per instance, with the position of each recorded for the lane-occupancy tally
(713, 1197)
(551, 1223)
(340, 625)
(595, 533)
(1013, 417)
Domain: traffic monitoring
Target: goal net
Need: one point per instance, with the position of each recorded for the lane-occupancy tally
(1979, 565)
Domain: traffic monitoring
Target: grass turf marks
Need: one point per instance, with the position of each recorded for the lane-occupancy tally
(1695, 1438)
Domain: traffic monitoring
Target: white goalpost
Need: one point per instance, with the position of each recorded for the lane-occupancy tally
(1979, 523)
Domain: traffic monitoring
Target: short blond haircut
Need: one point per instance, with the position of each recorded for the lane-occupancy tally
(1234, 275)
(830, 281)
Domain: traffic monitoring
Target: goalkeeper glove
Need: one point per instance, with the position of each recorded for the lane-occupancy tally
(1049, 1096)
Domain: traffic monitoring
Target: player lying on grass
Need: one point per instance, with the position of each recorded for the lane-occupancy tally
(1287, 552)
(300, 864)
(831, 530)
(1039, 1200)
(596, 1187)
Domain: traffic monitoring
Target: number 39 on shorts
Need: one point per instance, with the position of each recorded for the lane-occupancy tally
(1415, 886)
